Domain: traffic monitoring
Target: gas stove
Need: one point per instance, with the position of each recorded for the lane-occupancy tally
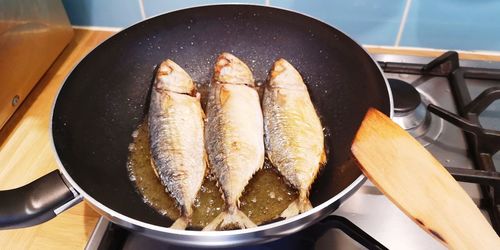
(450, 106)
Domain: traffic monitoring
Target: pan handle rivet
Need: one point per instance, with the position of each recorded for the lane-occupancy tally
(15, 100)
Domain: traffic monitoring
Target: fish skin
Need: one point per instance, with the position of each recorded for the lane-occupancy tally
(176, 135)
(234, 133)
(293, 133)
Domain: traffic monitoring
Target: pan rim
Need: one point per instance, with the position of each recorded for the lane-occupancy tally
(210, 236)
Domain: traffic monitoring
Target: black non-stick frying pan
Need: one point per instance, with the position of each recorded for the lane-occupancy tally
(106, 96)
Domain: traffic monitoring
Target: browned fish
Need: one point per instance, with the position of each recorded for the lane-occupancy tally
(234, 136)
(293, 132)
(176, 135)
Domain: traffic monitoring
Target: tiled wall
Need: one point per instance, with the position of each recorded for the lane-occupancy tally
(443, 24)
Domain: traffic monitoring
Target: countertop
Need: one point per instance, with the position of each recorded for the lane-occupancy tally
(26, 153)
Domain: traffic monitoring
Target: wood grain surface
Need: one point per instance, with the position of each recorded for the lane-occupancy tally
(463, 55)
(419, 185)
(26, 154)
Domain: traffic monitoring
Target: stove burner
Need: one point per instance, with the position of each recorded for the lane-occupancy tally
(409, 111)
(406, 97)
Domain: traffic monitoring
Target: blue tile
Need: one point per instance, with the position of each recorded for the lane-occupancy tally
(367, 21)
(111, 13)
(155, 7)
(451, 24)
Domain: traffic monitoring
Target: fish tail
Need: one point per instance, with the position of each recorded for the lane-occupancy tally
(233, 218)
(181, 223)
(305, 205)
(298, 206)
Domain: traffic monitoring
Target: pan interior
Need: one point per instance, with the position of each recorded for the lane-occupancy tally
(106, 96)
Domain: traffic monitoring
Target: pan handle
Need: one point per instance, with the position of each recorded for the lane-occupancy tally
(36, 202)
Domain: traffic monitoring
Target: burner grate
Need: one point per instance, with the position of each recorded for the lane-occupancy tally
(108, 235)
(482, 143)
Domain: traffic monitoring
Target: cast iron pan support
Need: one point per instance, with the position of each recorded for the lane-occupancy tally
(333, 221)
(115, 237)
(49, 195)
(482, 143)
(36, 202)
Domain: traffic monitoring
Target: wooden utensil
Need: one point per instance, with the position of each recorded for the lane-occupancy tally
(419, 185)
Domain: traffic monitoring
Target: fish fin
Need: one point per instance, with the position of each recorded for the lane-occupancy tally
(322, 159)
(207, 165)
(305, 205)
(181, 223)
(203, 115)
(224, 95)
(226, 219)
(297, 206)
(214, 223)
(291, 210)
(153, 166)
(281, 97)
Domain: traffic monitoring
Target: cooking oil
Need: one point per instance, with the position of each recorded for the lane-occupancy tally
(265, 197)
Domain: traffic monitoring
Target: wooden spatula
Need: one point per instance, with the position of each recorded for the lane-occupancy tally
(419, 185)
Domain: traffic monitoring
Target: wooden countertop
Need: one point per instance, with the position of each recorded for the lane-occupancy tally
(26, 154)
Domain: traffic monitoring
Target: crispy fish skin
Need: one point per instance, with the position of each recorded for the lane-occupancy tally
(293, 133)
(234, 134)
(176, 135)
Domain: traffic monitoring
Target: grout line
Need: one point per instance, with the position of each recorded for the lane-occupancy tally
(141, 7)
(403, 22)
(267, 2)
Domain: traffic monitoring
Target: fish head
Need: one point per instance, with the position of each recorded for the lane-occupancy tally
(229, 69)
(171, 77)
(284, 75)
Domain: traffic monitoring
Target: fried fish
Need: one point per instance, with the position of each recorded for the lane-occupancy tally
(234, 136)
(293, 134)
(176, 135)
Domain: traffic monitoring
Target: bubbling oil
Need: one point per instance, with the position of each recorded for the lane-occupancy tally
(265, 197)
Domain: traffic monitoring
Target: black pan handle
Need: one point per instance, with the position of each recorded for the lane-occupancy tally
(36, 202)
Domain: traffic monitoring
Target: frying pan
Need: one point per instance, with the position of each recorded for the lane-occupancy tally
(106, 96)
